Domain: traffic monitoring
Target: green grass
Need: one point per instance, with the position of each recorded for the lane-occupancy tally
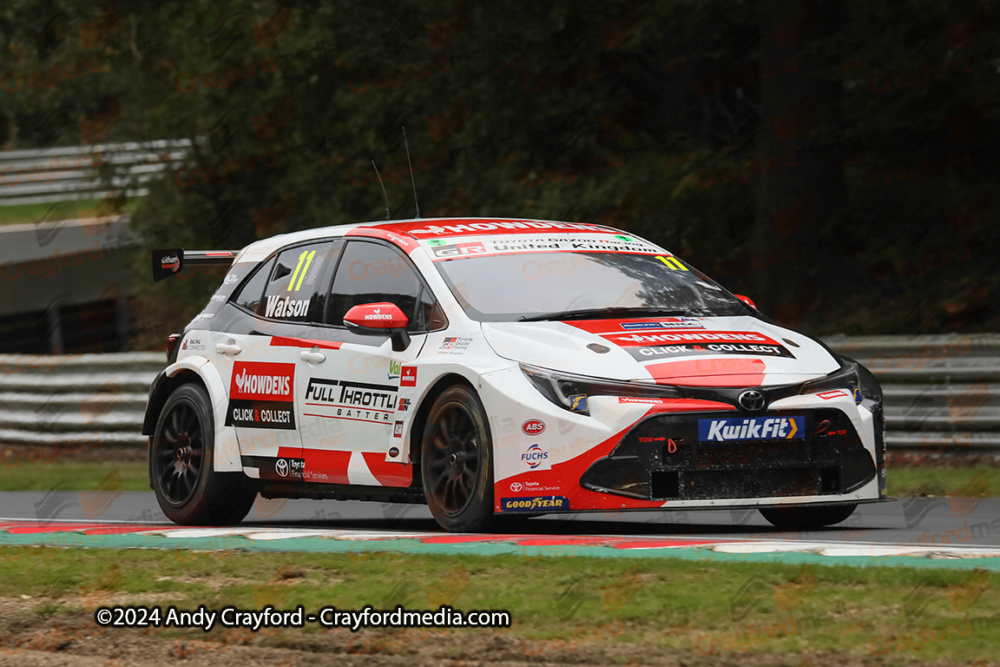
(698, 607)
(22, 474)
(32, 213)
(19, 475)
(943, 481)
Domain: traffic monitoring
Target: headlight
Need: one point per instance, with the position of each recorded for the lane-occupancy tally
(852, 377)
(571, 392)
(844, 378)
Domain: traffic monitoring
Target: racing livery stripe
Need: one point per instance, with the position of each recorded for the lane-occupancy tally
(675, 404)
(731, 372)
(326, 466)
(407, 245)
(426, 229)
(388, 473)
(283, 341)
(644, 339)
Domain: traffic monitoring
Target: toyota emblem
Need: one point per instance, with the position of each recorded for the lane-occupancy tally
(281, 467)
(752, 400)
(516, 486)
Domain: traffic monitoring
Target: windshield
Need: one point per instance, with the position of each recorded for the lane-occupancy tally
(567, 285)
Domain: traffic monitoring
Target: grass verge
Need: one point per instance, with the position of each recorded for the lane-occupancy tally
(68, 210)
(71, 475)
(585, 610)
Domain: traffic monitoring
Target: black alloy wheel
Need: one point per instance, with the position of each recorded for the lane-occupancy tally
(456, 462)
(180, 455)
(187, 488)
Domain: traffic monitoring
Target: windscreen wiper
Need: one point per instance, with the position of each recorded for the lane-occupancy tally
(602, 313)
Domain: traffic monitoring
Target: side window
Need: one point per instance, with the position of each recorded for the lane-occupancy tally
(250, 295)
(292, 291)
(371, 272)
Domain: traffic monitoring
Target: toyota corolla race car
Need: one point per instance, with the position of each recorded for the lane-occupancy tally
(494, 367)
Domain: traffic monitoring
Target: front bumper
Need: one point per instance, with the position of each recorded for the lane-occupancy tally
(662, 459)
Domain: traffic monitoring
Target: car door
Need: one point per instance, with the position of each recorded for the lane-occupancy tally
(363, 387)
(280, 300)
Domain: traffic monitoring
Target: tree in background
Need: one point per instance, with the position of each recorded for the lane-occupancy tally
(832, 160)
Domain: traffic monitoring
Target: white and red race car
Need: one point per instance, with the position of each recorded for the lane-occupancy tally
(500, 366)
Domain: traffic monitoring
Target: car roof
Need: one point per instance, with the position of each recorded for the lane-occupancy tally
(425, 227)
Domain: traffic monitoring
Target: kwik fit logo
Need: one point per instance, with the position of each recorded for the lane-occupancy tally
(754, 428)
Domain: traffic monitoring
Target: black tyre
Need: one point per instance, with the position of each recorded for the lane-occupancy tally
(803, 517)
(181, 451)
(456, 462)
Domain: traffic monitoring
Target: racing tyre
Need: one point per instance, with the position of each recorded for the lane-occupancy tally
(188, 490)
(456, 462)
(803, 517)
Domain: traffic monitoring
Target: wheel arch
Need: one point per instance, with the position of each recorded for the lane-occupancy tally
(420, 419)
(160, 391)
(226, 457)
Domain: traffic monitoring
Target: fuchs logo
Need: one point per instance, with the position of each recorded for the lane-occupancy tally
(171, 262)
(394, 370)
(278, 306)
(544, 504)
(408, 378)
(535, 456)
(755, 428)
(533, 427)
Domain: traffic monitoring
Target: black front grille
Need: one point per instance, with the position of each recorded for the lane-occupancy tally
(662, 458)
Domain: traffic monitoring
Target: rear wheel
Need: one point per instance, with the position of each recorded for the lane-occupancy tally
(187, 488)
(456, 462)
(803, 517)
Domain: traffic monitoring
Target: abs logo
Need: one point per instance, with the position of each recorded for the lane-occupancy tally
(533, 427)
(535, 457)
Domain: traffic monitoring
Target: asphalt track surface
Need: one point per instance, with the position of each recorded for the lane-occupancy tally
(954, 522)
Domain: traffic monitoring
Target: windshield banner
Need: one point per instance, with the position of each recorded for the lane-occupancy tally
(481, 246)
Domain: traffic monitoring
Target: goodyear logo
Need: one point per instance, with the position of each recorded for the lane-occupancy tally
(752, 428)
(544, 504)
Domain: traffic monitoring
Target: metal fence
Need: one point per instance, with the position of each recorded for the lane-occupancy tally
(72, 172)
(938, 389)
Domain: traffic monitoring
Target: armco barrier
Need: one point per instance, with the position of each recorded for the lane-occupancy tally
(66, 173)
(939, 393)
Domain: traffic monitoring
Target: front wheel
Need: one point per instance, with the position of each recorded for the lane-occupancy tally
(187, 488)
(456, 462)
(803, 517)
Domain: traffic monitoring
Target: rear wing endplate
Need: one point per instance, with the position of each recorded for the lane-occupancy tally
(168, 261)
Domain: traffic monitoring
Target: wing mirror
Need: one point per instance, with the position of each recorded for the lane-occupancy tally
(747, 300)
(379, 319)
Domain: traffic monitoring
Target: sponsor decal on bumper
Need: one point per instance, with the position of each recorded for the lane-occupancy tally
(751, 428)
(535, 504)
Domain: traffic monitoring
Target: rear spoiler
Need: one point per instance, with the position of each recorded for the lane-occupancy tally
(168, 261)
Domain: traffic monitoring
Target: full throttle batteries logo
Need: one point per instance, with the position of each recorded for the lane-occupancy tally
(260, 395)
